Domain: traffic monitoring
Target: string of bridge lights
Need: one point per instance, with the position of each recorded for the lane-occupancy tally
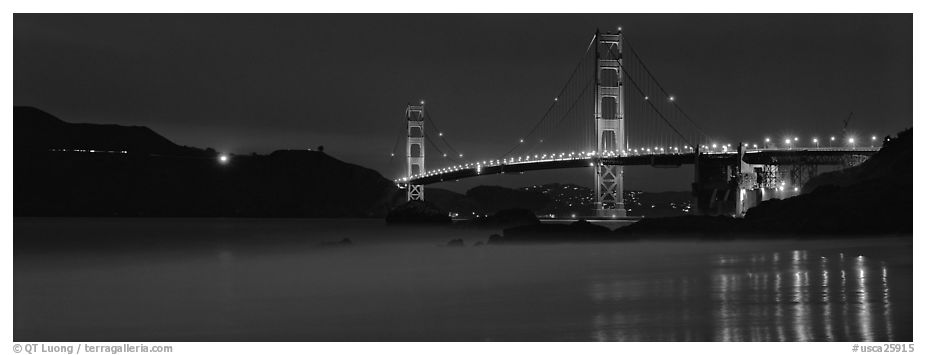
(790, 142)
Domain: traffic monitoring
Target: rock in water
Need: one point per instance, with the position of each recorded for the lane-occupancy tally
(346, 242)
(455, 243)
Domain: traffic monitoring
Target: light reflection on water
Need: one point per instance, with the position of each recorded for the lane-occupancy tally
(397, 284)
(759, 297)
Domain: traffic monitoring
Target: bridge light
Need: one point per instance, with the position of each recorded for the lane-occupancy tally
(768, 140)
(555, 99)
(445, 155)
(714, 145)
(461, 155)
(671, 98)
(391, 154)
(646, 97)
(422, 102)
(851, 140)
(440, 134)
(223, 159)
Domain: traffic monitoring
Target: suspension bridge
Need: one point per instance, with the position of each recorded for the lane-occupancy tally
(613, 112)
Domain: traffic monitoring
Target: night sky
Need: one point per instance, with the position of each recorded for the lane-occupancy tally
(257, 83)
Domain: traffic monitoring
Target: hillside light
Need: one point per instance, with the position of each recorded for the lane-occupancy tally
(223, 159)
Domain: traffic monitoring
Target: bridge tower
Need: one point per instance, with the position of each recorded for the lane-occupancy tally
(414, 115)
(609, 122)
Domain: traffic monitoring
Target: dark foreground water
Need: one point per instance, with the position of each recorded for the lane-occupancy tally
(397, 284)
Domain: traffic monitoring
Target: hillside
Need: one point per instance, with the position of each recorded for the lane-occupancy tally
(159, 178)
(875, 197)
(37, 130)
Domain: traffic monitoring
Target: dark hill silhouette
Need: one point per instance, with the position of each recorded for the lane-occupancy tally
(892, 161)
(493, 199)
(160, 178)
(37, 130)
(873, 197)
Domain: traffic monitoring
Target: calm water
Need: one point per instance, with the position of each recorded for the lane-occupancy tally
(398, 284)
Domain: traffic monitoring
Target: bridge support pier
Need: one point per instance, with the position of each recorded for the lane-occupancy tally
(609, 190)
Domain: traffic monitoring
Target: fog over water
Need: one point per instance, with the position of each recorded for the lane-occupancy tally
(400, 283)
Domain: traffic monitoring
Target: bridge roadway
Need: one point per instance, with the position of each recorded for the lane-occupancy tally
(780, 156)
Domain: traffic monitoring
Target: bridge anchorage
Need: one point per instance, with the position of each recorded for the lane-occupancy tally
(622, 115)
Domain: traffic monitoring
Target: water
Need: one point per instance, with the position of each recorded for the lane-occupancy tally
(398, 284)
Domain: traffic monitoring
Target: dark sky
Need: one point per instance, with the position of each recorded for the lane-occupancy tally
(257, 83)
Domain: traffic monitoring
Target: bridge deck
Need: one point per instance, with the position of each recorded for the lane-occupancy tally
(818, 156)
